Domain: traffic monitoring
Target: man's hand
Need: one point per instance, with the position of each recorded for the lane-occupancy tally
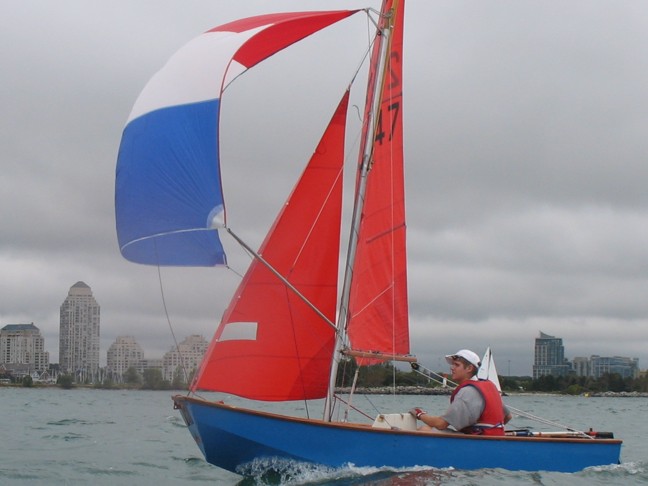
(417, 412)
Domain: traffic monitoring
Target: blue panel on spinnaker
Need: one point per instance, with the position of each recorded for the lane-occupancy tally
(168, 187)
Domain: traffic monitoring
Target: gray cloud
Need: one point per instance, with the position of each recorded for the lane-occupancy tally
(526, 166)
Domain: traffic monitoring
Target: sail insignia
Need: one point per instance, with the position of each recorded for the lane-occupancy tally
(237, 331)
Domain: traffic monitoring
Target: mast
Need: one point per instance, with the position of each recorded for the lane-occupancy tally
(385, 26)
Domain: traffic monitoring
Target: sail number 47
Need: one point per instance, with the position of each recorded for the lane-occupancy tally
(392, 115)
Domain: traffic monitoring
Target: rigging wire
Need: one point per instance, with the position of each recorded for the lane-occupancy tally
(168, 318)
(183, 365)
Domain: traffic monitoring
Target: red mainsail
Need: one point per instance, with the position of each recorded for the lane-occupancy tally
(378, 308)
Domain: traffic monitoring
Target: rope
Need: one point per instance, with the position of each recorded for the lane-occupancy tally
(175, 341)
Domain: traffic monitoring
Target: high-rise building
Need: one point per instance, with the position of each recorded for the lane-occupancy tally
(23, 344)
(124, 353)
(188, 355)
(79, 333)
(549, 357)
(582, 366)
(620, 365)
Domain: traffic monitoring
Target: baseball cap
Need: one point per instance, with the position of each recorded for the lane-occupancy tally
(466, 354)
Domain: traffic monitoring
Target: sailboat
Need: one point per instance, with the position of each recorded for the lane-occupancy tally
(488, 371)
(289, 325)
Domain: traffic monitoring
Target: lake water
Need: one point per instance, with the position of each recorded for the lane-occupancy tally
(116, 437)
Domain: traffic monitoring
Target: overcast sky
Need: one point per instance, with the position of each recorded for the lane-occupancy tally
(526, 166)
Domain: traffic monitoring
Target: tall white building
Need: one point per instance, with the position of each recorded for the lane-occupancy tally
(23, 344)
(79, 333)
(124, 353)
(188, 354)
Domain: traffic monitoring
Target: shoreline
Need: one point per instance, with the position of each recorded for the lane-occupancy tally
(380, 390)
(417, 390)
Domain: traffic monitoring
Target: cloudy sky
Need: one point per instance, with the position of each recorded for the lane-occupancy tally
(526, 153)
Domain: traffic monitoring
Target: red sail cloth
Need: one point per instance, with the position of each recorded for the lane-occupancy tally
(290, 355)
(378, 307)
(287, 29)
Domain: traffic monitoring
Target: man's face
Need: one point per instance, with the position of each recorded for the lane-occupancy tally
(460, 371)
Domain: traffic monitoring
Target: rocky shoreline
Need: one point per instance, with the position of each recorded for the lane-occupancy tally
(421, 390)
(617, 394)
(400, 390)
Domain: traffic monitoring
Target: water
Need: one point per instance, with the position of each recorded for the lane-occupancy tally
(116, 437)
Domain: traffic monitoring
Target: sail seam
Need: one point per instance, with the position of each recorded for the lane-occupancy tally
(360, 311)
(317, 218)
(165, 233)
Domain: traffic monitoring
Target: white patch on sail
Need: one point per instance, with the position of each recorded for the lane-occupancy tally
(237, 331)
(207, 58)
(216, 218)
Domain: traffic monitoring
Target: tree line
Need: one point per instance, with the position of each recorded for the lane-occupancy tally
(578, 385)
(150, 379)
(383, 375)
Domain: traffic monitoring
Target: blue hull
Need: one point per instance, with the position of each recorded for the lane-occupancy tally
(230, 437)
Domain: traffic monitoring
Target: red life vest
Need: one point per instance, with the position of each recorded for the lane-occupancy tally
(491, 421)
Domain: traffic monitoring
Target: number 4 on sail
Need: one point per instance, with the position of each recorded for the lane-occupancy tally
(288, 318)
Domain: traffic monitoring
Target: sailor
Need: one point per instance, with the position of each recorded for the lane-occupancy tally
(475, 405)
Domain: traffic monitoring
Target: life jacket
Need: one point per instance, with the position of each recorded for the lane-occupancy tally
(491, 421)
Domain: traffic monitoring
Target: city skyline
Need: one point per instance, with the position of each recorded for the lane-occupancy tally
(79, 340)
(23, 345)
(547, 357)
(172, 347)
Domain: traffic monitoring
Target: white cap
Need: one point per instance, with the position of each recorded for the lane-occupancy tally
(466, 354)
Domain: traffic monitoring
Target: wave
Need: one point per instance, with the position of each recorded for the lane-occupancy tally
(275, 471)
